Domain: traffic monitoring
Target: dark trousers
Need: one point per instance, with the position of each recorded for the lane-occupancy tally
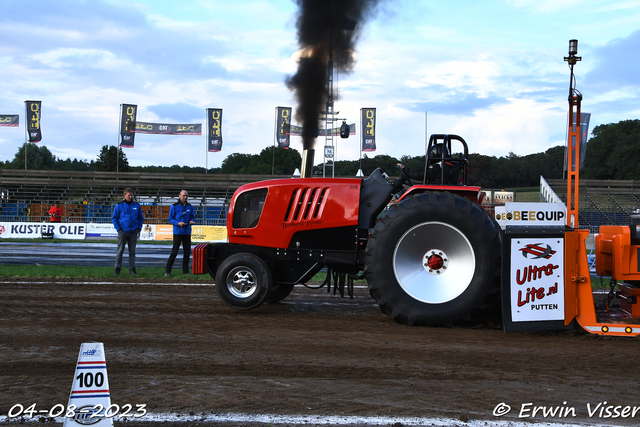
(185, 239)
(130, 239)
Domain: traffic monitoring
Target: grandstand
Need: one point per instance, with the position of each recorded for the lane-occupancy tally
(26, 196)
(602, 202)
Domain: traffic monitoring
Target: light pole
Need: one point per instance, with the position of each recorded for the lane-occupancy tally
(573, 140)
(426, 143)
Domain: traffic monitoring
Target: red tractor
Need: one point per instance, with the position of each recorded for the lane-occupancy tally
(431, 258)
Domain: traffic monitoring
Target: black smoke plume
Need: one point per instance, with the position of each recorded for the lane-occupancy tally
(324, 26)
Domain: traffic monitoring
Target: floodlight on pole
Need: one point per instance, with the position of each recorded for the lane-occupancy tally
(573, 140)
(572, 59)
(573, 47)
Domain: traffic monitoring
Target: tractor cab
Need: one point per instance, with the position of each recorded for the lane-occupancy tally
(442, 167)
(446, 169)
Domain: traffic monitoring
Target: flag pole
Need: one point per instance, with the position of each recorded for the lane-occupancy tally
(118, 143)
(359, 173)
(206, 142)
(426, 145)
(26, 130)
(361, 136)
(273, 147)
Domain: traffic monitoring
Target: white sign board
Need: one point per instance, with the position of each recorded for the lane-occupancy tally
(101, 230)
(531, 214)
(33, 230)
(536, 279)
(328, 151)
(502, 197)
(148, 232)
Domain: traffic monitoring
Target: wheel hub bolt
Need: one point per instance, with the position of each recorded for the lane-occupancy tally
(435, 261)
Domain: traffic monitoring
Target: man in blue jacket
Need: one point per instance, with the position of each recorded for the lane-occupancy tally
(182, 216)
(127, 218)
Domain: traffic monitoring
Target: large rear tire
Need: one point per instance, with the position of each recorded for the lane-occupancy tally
(243, 281)
(434, 259)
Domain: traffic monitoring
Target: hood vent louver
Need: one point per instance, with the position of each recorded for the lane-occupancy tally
(305, 204)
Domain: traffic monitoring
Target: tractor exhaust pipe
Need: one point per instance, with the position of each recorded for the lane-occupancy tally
(307, 163)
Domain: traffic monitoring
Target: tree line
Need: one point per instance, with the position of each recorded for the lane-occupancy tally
(612, 153)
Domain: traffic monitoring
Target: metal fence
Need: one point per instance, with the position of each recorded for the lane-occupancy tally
(602, 202)
(83, 197)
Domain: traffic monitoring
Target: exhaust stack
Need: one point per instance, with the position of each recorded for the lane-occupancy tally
(307, 163)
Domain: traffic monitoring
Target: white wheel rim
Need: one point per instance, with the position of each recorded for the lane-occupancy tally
(241, 282)
(438, 282)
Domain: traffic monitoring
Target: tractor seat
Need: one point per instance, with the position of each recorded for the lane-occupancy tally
(456, 175)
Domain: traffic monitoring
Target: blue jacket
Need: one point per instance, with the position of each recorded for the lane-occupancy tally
(127, 217)
(179, 213)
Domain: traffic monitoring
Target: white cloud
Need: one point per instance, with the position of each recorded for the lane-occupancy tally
(490, 71)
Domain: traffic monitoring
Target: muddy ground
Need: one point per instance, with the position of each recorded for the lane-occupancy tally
(177, 348)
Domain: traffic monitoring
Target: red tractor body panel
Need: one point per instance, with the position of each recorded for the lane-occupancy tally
(293, 205)
(474, 194)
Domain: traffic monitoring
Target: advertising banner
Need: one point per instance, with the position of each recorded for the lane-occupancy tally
(164, 232)
(497, 197)
(128, 113)
(531, 214)
(208, 233)
(95, 230)
(81, 231)
(33, 108)
(214, 129)
(537, 274)
(369, 129)
(168, 129)
(501, 197)
(283, 125)
(148, 232)
(199, 234)
(12, 120)
(297, 130)
(33, 230)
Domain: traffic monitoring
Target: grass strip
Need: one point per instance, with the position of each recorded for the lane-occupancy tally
(71, 272)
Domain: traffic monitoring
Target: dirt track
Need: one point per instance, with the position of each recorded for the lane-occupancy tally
(178, 348)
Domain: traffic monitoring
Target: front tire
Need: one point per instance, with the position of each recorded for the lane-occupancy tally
(243, 281)
(434, 259)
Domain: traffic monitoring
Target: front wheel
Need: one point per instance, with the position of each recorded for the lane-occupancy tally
(243, 281)
(434, 259)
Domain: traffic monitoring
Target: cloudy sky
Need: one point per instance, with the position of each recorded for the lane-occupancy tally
(491, 71)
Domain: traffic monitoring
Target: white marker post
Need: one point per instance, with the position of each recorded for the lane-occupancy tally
(90, 389)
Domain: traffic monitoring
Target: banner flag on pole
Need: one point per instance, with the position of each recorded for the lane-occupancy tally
(585, 118)
(168, 129)
(33, 120)
(296, 130)
(369, 129)
(283, 127)
(214, 129)
(12, 120)
(128, 113)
